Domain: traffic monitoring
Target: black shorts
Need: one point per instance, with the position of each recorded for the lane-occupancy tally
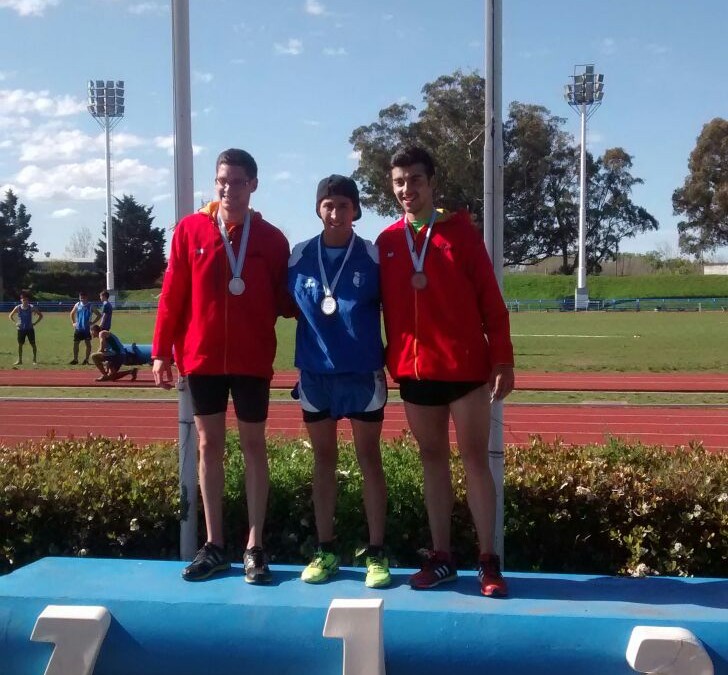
(81, 335)
(250, 395)
(434, 392)
(26, 333)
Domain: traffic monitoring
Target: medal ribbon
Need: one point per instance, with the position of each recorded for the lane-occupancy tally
(324, 280)
(236, 264)
(418, 261)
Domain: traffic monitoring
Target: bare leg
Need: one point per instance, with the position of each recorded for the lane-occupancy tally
(88, 349)
(255, 453)
(429, 424)
(75, 350)
(325, 454)
(368, 452)
(211, 430)
(471, 415)
(98, 359)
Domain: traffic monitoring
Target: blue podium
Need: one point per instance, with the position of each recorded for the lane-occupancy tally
(565, 624)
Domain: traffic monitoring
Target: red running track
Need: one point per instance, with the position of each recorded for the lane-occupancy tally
(144, 422)
(533, 381)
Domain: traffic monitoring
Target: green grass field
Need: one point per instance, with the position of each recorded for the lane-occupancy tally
(551, 341)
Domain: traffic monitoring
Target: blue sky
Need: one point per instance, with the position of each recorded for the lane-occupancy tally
(289, 80)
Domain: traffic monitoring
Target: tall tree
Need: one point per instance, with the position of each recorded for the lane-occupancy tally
(138, 246)
(16, 251)
(81, 243)
(611, 214)
(541, 180)
(703, 198)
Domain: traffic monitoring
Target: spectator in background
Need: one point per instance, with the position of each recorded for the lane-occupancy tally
(106, 310)
(83, 315)
(22, 316)
(110, 357)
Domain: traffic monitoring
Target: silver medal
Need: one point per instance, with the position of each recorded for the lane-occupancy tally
(419, 280)
(328, 305)
(236, 286)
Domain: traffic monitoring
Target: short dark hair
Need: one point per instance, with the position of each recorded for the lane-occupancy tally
(237, 157)
(25, 294)
(105, 294)
(80, 293)
(413, 154)
(95, 328)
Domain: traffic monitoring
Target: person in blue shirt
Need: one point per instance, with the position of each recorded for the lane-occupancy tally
(334, 279)
(22, 315)
(83, 315)
(110, 357)
(106, 310)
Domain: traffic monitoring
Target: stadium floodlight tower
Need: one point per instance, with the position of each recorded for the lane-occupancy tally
(584, 94)
(106, 105)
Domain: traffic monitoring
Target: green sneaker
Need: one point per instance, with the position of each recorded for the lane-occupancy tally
(377, 572)
(323, 566)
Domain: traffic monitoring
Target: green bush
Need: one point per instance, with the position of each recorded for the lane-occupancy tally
(614, 509)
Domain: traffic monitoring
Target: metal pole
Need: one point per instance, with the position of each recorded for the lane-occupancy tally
(184, 204)
(581, 300)
(109, 218)
(493, 225)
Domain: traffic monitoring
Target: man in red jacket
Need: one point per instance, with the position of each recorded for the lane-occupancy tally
(224, 287)
(449, 349)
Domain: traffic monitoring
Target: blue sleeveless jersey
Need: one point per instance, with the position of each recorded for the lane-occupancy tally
(350, 340)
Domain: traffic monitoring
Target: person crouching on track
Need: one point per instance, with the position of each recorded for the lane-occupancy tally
(334, 278)
(110, 356)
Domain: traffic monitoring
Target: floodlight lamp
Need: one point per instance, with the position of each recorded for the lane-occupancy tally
(600, 78)
(99, 84)
(589, 69)
(120, 109)
(120, 84)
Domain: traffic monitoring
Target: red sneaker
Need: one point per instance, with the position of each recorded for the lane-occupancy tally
(492, 583)
(436, 568)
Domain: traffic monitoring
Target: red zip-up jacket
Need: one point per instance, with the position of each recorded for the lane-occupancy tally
(457, 327)
(214, 332)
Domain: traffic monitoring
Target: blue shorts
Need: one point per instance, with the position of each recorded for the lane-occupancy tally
(358, 396)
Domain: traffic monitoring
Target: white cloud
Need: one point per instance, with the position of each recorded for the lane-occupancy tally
(86, 180)
(49, 143)
(141, 8)
(205, 78)
(331, 51)
(22, 102)
(63, 213)
(292, 48)
(387, 17)
(167, 143)
(312, 123)
(28, 7)
(654, 48)
(282, 175)
(608, 46)
(354, 155)
(314, 7)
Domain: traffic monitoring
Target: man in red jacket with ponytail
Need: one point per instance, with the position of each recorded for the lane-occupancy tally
(225, 285)
(449, 349)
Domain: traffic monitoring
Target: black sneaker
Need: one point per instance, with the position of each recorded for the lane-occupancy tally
(74, 362)
(256, 568)
(209, 560)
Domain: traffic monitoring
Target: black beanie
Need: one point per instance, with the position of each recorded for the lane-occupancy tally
(338, 186)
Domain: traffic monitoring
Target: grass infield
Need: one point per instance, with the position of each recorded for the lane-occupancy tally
(543, 341)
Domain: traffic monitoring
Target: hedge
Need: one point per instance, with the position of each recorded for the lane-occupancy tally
(614, 509)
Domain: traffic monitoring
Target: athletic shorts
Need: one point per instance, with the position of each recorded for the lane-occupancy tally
(358, 396)
(81, 335)
(250, 395)
(26, 333)
(434, 392)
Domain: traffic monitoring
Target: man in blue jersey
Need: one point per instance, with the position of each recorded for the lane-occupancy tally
(106, 310)
(334, 278)
(83, 315)
(22, 315)
(110, 357)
